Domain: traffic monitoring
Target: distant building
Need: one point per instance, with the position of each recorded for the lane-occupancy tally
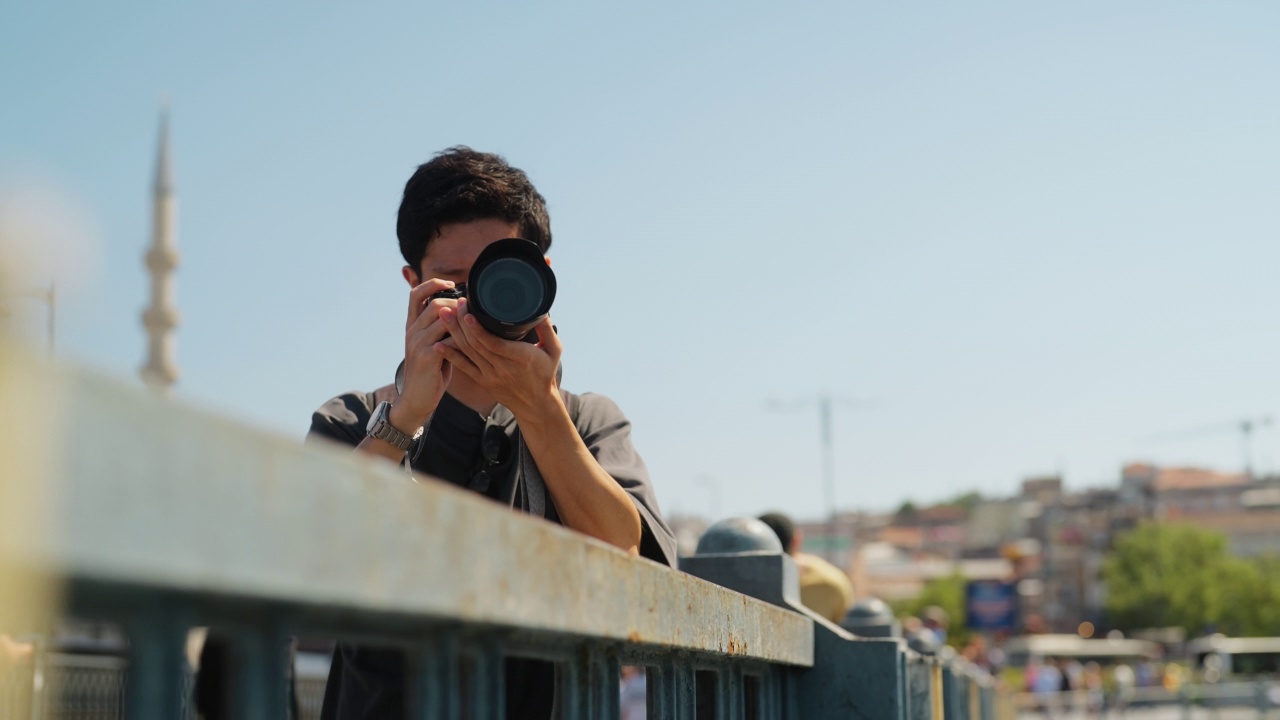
(890, 573)
(1051, 541)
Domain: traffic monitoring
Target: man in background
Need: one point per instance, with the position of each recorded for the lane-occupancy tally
(824, 588)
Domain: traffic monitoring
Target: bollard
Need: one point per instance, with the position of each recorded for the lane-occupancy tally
(738, 535)
(872, 618)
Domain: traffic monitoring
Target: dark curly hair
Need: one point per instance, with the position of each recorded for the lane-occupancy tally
(461, 185)
(782, 526)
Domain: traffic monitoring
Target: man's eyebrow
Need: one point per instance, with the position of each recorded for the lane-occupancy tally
(437, 271)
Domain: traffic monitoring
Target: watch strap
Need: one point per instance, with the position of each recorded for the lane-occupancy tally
(380, 428)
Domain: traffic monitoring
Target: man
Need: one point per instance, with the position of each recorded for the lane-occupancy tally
(485, 401)
(824, 588)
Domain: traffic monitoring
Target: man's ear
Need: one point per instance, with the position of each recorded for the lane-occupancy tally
(797, 541)
(548, 259)
(410, 276)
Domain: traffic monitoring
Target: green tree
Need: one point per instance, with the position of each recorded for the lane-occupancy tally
(966, 501)
(1253, 589)
(1173, 575)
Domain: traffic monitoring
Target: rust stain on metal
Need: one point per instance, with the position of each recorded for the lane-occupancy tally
(633, 636)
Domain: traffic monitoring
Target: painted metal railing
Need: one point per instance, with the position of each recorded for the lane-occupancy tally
(124, 507)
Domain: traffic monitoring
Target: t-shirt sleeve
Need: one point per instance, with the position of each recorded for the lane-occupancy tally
(607, 434)
(342, 419)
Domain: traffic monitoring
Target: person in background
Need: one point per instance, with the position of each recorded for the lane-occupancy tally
(1047, 687)
(824, 588)
(936, 620)
(633, 693)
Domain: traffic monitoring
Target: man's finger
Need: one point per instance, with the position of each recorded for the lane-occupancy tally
(464, 336)
(457, 360)
(547, 338)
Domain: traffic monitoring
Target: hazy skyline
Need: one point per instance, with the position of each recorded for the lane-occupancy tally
(1028, 237)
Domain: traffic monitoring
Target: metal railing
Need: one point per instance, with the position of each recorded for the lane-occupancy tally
(121, 506)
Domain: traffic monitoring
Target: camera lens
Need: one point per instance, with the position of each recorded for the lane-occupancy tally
(510, 289)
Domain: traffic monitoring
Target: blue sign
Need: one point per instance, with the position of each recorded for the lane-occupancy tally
(991, 605)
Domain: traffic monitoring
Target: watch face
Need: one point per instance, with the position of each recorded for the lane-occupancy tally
(379, 416)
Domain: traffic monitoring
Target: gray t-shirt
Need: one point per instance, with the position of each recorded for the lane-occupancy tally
(481, 453)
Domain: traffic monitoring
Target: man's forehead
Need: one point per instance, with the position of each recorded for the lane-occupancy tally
(464, 241)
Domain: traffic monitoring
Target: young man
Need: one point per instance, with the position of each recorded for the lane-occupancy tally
(484, 401)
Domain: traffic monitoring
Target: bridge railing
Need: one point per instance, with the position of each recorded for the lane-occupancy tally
(122, 506)
(133, 509)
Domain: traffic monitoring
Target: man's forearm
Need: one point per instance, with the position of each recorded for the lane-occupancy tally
(587, 498)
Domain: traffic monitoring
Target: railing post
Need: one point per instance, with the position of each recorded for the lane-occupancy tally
(605, 671)
(488, 699)
(918, 687)
(729, 705)
(154, 688)
(671, 692)
(260, 690)
(436, 679)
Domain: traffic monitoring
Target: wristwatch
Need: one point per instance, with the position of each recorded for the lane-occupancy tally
(380, 428)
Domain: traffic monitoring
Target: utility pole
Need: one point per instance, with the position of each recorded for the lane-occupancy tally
(828, 472)
(825, 402)
(1247, 426)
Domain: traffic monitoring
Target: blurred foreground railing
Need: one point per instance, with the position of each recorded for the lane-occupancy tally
(120, 506)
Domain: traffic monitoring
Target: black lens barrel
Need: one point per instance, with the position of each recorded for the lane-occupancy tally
(511, 288)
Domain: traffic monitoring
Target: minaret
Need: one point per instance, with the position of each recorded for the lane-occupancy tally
(161, 317)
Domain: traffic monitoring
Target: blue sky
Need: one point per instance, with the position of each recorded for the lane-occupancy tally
(1026, 236)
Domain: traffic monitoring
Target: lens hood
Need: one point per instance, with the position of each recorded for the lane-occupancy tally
(510, 288)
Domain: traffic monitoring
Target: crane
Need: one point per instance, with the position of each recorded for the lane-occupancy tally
(1244, 426)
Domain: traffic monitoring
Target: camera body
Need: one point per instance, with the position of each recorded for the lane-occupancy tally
(509, 290)
(454, 293)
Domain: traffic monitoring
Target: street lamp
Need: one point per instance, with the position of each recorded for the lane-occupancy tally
(825, 401)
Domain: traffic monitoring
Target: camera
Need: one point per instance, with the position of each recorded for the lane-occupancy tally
(510, 288)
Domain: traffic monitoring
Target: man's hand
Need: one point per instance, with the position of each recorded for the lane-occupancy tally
(426, 373)
(522, 377)
(519, 375)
